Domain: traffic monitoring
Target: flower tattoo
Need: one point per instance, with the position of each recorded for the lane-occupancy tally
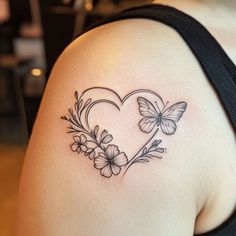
(111, 161)
(79, 144)
(97, 144)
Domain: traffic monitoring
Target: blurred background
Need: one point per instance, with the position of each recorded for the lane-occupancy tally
(32, 35)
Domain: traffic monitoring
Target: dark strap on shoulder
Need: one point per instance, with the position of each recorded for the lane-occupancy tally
(216, 64)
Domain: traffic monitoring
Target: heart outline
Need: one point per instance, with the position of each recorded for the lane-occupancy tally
(114, 167)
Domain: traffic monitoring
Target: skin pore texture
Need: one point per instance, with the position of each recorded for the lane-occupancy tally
(190, 189)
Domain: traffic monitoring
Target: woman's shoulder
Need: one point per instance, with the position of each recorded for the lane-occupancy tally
(128, 137)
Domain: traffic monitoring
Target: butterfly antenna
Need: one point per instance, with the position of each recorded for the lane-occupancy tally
(157, 107)
(165, 106)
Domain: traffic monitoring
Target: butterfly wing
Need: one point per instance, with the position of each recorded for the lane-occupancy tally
(146, 108)
(147, 124)
(168, 126)
(150, 114)
(171, 115)
(175, 111)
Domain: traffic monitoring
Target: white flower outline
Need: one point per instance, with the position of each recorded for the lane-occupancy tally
(110, 162)
(80, 144)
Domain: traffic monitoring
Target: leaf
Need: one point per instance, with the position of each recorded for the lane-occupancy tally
(76, 95)
(141, 160)
(107, 139)
(103, 134)
(160, 150)
(148, 156)
(158, 142)
(80, 104)
(154, 154)
(152, 148)
(96, 130)
(70, 111)
(64, 117)
(87, 102)
(144, 151)
(155, 143)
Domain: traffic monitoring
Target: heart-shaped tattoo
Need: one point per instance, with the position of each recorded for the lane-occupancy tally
(96, 142)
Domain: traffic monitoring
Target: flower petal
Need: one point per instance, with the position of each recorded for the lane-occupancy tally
(89, 150)
(106, 171)
(83, 139)
(74, 146)
(107, 139)
(100, 162)
(111, 151)
(120, 160)
(83, 147)
(77, 139)
(91, 155)
(115, 169)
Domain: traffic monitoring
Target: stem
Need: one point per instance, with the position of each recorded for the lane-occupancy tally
(82, 129)
(80, 125)
(131, 161)
(73, 122)
(77, 113)
(99, 145)
(94, 139)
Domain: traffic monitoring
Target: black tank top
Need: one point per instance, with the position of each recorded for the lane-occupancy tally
(217, 66)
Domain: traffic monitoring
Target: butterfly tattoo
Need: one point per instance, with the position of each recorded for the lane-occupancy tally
(153, 116)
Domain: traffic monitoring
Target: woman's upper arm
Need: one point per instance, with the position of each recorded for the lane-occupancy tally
(112, 149)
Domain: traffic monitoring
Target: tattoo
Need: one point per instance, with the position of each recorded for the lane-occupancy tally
(96, 143)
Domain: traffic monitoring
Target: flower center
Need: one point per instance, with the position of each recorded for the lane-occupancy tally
(110, 161)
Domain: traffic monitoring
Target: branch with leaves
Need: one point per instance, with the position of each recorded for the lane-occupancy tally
(148, 153)
(107, 157)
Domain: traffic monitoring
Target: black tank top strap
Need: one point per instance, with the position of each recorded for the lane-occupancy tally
(216, 64)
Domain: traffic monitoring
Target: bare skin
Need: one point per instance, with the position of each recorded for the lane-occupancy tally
(192, 189)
